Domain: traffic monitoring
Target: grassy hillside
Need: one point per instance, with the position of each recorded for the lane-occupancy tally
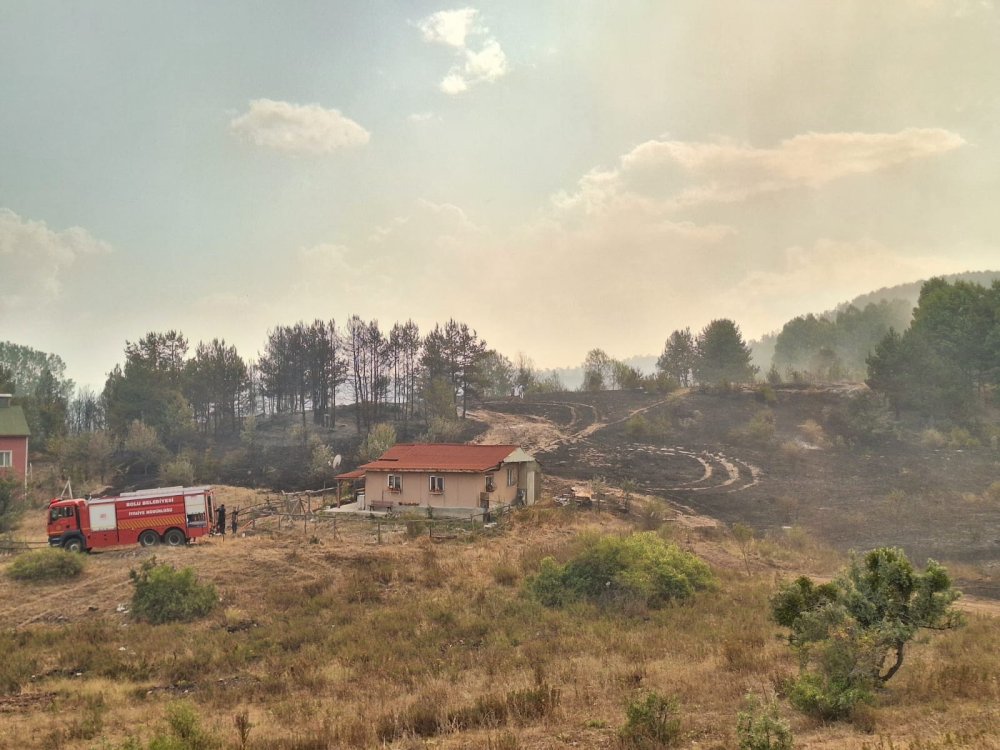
(338, 641)
(358, 635)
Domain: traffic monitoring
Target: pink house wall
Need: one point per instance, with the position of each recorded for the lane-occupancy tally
(461, 489)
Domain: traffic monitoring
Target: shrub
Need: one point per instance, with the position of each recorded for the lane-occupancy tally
(46, 565)
(164, 594)
(814, 433)
(180, 471)
(637, 427)
(931, 438)
(443, 430)
(863, 420)
(184, 731)
(992, 492)
(759, 430)
(962, 438)
(380, 438)
(650, 722)
(640, 569)
(761, 427)
(826, 697)
(760, 727)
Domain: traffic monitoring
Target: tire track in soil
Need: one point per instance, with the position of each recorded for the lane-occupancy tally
(539, 434)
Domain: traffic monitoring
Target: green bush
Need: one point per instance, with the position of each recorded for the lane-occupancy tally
(180, 471)
(760, 727)
(761, 428)
(828, 698)
(184, 731)
(636, 570)
(46, 565)
(164, 594)
(931, 438)
(962, 438)
(637, 427)
(650, 722)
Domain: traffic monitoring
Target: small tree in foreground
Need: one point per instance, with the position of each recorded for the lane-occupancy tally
(760, 727)
(650, 722)
(851, 634)
(164, 594)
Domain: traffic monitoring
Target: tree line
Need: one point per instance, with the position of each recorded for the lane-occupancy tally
(183, 394)
(947, 362)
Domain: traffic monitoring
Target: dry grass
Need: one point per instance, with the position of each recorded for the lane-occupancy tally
(346, 643)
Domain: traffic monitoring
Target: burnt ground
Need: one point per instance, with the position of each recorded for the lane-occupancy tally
(695, 449)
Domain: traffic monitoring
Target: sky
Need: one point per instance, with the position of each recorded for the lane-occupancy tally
(559, 175)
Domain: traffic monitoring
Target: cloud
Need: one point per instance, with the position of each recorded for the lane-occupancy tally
(35, 258)
(682, 174)
(297, 128)
(449, 27)
(483, 64)
(489, 64)
(421, 117)
(454, 83)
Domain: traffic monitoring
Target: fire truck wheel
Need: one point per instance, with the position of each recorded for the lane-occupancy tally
(174, 538)
(148, 538)
(73, 545)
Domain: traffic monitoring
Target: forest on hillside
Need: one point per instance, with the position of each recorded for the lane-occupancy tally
(175, 413)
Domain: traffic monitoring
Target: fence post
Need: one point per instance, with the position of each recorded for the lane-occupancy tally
(378, 530)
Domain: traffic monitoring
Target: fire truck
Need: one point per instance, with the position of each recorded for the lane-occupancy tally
(171, 515)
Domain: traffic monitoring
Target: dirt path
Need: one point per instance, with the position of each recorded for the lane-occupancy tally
(534, 434)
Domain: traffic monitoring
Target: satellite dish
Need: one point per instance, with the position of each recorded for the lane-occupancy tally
(336, 460)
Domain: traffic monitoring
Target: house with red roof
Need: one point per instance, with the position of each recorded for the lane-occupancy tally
(451, 477)
(14, 434)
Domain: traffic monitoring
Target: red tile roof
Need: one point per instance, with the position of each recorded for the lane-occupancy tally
(440, 457)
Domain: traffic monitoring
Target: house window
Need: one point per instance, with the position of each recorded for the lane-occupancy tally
(489, 483)
(6, 459)
(395, 483)
(511, 476)
(437, 485)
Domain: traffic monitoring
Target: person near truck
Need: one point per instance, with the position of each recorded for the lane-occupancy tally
(221, 517)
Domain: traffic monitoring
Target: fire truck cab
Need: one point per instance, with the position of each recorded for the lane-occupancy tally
(171, 515)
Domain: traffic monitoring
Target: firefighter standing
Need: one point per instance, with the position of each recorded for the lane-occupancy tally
(221, 515)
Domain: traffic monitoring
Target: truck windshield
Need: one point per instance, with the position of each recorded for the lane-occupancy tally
(56, 513)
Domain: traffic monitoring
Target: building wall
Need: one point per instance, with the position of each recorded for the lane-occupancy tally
(19, 447)
(461, 490)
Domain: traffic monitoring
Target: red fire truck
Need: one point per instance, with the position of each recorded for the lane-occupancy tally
(172, 515)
